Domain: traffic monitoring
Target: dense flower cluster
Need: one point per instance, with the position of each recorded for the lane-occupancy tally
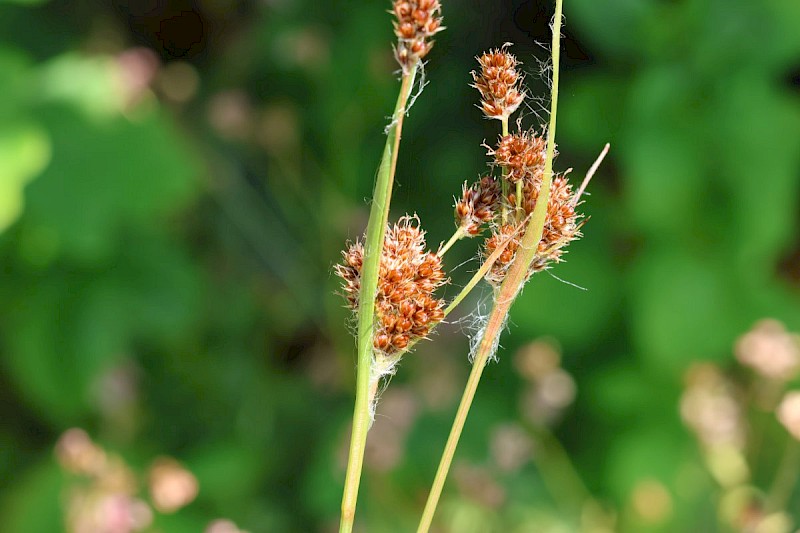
(560, 228)
(405, 304)
(478, 204)
(499, 84)
(417, 21)
(522, 155)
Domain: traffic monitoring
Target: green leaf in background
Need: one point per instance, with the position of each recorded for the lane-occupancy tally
(762, 185)
(91, 84)
(682, 310)
(616, 28)
(33, 503)
(24, 153)
(138, 172)
(575, 316)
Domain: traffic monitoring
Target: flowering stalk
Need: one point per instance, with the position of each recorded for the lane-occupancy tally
(416, 22)
(511, 285)
(373, 247)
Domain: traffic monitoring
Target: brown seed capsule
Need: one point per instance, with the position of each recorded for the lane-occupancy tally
(382, 341)
(399, 342)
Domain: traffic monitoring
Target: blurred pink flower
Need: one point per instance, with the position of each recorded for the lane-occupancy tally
(770, 350)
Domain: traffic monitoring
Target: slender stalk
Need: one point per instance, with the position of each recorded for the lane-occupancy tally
(515, 278)
(591, 172)
(456, 236)
(477, 277)
(373, 246)
(557, 471)
(786, 477)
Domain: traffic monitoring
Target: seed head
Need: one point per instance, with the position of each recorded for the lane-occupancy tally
(561, 224)
(561, 227)
(522, 155)
(417, 22)
(499, 83)
(405, 304)
(478, 204)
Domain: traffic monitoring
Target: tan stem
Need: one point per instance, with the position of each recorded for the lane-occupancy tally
(515, 279)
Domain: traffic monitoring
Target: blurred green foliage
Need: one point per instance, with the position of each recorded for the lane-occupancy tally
(177, 179)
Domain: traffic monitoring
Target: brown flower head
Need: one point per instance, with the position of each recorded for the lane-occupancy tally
(405, 305)
(478, 204)
(561, 226)
(417, 22)
(499, 84)
(522, 155)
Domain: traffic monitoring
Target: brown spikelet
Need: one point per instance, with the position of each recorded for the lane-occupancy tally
(478, 204)
(499, 83)
(405, 305)
(350, 272)
(417, 22)
(521, 154)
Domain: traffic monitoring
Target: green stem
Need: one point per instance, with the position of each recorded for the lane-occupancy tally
(511, 286)
(373, 246)
(456, 236)
(557, 471)
(477, 277)
(786, 477)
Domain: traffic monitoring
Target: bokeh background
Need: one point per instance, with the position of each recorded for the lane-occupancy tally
(177, 179)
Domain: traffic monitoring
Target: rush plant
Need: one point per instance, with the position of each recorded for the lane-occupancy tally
(526, 214)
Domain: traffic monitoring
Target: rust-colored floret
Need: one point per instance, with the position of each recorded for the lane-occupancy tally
(499, 84)
(417, 22)
(522, 155)
(506, 232)
(478, 204)
(405, 305)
